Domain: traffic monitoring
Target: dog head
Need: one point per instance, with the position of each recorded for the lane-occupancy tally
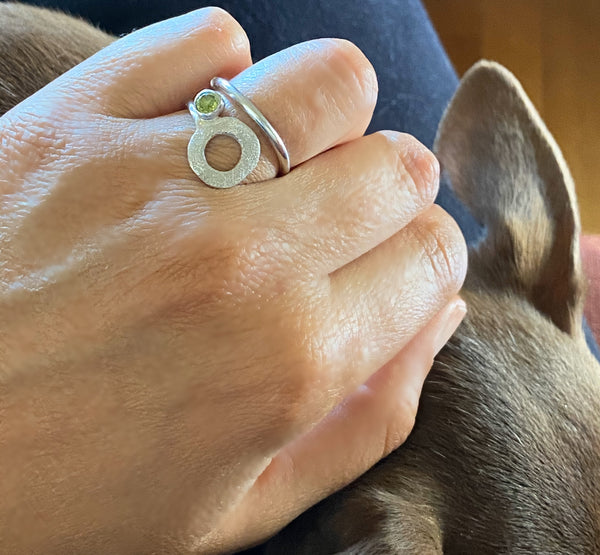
(505, 454)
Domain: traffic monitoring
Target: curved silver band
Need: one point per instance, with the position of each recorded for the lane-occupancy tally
(225, 87)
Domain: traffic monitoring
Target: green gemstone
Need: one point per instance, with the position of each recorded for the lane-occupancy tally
(207, 102)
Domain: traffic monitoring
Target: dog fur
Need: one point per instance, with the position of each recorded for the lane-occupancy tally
(505, 454)
(504, 457)
(37, 45)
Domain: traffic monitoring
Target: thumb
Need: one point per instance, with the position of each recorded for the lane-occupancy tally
(364, 428)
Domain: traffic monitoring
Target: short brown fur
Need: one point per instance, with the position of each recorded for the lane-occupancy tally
(37, 45)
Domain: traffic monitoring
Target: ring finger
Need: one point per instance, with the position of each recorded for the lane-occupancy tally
(316, 94)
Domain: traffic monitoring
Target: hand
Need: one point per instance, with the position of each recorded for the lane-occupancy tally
(187, 369)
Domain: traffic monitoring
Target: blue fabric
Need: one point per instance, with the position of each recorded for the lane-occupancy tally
(589, 338)
(416, 78)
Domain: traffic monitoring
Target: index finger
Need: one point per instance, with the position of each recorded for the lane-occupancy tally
(155, 70)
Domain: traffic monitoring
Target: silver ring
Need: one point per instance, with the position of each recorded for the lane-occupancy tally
(225, 87)
(205, 109)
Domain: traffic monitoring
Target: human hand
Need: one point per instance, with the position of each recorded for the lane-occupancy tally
(173, 357)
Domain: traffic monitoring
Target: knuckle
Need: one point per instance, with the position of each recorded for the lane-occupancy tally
(443, 246)
(227, 28)
(423, 168)
(412, 164)
(345, 54)
(417, 163)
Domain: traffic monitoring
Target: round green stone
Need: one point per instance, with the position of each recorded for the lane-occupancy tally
(207, 102)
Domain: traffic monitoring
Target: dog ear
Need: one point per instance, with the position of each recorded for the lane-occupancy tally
(506, 167)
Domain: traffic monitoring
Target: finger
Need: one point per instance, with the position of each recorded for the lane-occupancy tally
(380, 301)
(367, 426)
(359, 194)
(155, 70)
(316, 94)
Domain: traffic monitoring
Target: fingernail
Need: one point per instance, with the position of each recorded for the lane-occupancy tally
(454, 313)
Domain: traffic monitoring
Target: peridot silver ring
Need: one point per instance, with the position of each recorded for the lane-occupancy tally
(206, 108)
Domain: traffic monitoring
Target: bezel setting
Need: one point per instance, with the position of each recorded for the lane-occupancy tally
(214, 113)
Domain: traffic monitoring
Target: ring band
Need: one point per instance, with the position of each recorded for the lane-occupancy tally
(205, 109)
(225, 87)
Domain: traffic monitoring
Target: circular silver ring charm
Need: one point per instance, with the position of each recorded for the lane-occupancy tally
(205, 110)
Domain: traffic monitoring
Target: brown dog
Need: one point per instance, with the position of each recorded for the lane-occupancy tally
(505, 454)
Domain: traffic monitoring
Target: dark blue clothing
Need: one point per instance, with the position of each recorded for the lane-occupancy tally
(416, 78)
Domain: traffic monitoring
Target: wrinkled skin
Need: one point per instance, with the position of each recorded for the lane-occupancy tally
(186, 369)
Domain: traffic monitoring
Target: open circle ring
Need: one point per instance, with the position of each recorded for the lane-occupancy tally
(205, 109)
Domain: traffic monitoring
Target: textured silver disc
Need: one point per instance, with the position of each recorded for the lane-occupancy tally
(234, 128)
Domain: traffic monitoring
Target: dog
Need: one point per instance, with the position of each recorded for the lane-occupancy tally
(505, 453)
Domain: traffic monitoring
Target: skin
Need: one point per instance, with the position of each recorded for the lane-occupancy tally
(185, 369)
